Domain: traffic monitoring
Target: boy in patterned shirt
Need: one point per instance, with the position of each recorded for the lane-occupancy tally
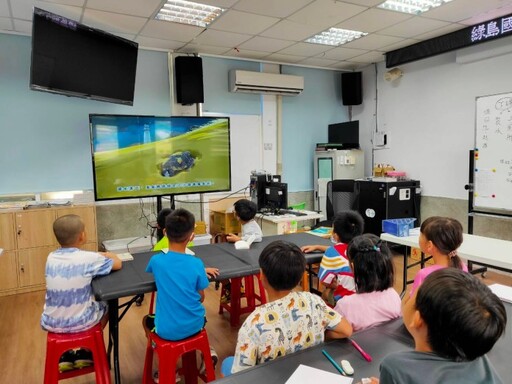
(290, 321)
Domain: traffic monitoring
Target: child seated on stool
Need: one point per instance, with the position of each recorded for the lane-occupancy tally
(290, 321)
(375, 300)
(245, 211)
(335, 273)
(180, 281)
(69, 303)
(455, 320)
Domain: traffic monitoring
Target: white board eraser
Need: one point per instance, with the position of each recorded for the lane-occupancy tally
(345, 365)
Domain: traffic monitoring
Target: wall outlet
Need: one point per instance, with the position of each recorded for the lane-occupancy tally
(267, 146)
(380, 139)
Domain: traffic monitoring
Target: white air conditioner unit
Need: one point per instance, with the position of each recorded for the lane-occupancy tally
(268, 83)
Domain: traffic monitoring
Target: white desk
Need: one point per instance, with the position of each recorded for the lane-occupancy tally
(280, 224)
(485, 251)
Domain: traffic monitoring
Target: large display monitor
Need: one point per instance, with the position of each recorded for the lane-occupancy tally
(142, 156)
(77, 60)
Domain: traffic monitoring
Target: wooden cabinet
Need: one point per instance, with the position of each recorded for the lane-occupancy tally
(8, 267)
(34, 228)
(31, 266)
(27, 238)
(7, 237)
(9, 270)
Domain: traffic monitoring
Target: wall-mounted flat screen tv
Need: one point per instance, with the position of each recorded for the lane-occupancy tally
(346, 133)
(76, 60)
(143, 156)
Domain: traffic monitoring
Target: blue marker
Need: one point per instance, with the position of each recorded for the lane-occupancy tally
(336, 365)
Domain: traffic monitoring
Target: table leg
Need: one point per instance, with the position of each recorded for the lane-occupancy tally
(234, 315)
(404, 276)
(113, 314)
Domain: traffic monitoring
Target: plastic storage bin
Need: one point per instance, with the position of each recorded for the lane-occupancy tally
(398, 227)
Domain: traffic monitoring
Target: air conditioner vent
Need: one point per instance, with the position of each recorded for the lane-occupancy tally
(266, 83)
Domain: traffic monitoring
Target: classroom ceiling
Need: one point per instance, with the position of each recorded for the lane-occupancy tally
(265, 30)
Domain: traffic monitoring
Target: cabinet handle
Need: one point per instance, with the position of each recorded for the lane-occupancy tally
(19, 232)
(22, 267)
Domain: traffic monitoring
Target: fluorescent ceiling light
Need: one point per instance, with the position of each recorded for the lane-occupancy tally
(335, 36)
(188, 12)
(414, 7)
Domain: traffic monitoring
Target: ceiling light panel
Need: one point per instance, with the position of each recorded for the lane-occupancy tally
(414, 7)
(335, 36)
(188, 12)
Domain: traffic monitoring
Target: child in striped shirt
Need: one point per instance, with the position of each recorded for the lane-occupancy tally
(69, 304)
(335, 273)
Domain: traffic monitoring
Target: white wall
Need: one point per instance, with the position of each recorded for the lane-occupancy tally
(429, 115)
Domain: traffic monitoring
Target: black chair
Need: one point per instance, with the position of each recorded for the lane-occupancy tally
(341, 196)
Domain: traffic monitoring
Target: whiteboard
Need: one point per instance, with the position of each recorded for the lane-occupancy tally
(246, 140)
(493, 152)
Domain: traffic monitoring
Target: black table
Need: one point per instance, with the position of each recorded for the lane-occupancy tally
(132, 280)
(378, 342)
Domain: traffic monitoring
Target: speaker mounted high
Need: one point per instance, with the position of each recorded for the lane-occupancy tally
(188, 72)
(352, 88)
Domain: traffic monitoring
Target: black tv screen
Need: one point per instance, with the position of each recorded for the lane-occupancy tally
(73, 59)
(346, 133)
(143, 156)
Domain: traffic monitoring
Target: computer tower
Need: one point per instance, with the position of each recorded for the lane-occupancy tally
(257, 189)
(380, 200)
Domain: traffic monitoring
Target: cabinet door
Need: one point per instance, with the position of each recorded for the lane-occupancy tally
(9, 278)
(35, 228)
(88, 215)
(7, 237)
(31, 264)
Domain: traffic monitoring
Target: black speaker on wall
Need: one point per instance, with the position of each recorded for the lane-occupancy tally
(352, 88)
(189, 79)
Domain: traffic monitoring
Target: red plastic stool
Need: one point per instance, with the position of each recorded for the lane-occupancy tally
(170, 351)
(234, 306)
(58, 343)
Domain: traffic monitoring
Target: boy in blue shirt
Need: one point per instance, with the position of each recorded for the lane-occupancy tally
(180, 280)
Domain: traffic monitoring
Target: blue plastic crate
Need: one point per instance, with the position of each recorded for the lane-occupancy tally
(398, 227)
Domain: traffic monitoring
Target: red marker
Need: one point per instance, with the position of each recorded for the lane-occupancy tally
(366, 356)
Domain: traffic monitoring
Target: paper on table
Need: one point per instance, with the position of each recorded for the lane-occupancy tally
(305, 375)
(245, 244)
(502, 291)
(126, 256)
